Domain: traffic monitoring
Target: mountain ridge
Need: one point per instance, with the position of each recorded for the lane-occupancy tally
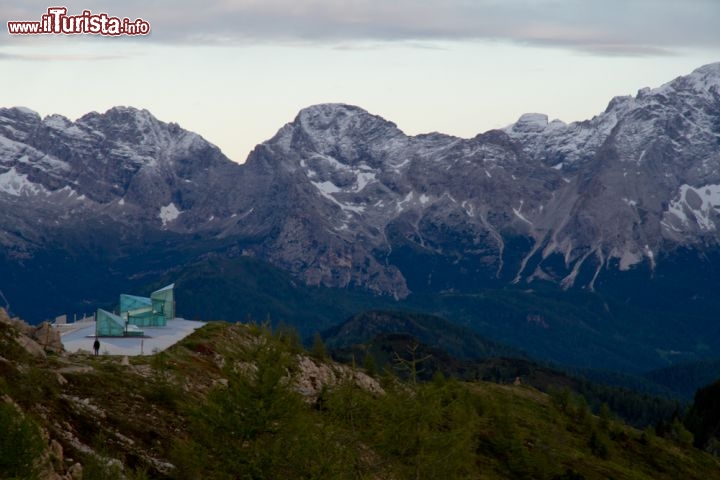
(673, 221)
(342, 198)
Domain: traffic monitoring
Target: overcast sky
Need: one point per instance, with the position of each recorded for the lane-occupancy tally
(235, 71)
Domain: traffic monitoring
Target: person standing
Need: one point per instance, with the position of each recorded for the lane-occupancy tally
(96, 346)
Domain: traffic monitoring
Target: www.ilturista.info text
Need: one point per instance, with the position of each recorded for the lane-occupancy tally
(57, 21)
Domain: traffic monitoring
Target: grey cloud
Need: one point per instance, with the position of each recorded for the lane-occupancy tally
(609, 27)
(58, 58)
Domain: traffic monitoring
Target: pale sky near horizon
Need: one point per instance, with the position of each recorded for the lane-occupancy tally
(235, 71)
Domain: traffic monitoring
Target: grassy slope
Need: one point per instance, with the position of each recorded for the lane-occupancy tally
(145, 413)
(543, 439)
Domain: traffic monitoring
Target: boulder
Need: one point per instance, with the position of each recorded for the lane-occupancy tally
(4, 318)
(30, 346)
(48, 337)
(56, 454)
(75, 472)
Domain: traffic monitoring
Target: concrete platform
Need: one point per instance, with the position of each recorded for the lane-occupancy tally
(81, 335)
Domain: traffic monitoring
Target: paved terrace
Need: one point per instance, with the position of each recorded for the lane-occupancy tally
(81, 335)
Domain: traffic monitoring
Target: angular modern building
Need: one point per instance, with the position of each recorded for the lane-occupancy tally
(163, 304)
(108, 324)
(136, 312)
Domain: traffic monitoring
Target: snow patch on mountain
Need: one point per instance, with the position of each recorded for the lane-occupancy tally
(18, 184)
(401, 205)
(699, 203)
(58, 122)
(168, 213)
(518, 213)
(326, 188)
(704, 81)
(362, 179)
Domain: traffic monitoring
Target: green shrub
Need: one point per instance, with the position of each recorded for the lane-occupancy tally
(259, 427)
(34, 385)
(430, 428)
(102, 469)
(21, 444)
(599, 444)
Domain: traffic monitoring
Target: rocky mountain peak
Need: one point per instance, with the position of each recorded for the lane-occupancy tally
(19, 113)
(17, 123)
(338, 118)
(531, 122)
(120, 115)
(133, 126)
(641, 149)
(705, 79)
(124, 163)
(347, 133)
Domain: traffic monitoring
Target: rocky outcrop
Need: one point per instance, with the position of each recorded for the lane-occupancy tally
(48, 338)
(4, 318)
(36, 340)
(30, 346)
(314, 376)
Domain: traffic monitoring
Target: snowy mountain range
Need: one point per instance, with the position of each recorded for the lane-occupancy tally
(343, 198)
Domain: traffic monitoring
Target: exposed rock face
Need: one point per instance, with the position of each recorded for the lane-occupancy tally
(314, 376)
(641, 177)
(75, 472)
(30, 346)
(121, 167)
(343, 198)
(537, 200)
(4, 318)
(36, 340)
(48, 337)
